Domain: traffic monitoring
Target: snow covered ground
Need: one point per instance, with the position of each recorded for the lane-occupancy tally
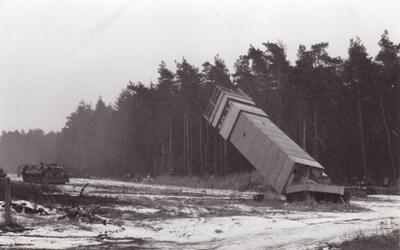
(170, 217)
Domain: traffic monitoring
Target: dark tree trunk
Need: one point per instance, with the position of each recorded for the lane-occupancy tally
(361, 132)
(315, 149)
(388, 137)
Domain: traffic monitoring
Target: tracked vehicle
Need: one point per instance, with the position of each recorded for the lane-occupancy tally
(44, 173)
(286, 166)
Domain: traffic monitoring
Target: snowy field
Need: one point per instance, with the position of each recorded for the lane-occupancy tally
(171, 217)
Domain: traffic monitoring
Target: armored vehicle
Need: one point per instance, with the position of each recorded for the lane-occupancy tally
(44, 173)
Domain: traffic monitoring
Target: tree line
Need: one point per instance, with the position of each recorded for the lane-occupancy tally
(344, 112)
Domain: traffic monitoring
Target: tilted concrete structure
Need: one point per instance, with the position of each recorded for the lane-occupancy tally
(286, 166)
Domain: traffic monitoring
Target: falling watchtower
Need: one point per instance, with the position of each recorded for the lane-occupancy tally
(286, 166)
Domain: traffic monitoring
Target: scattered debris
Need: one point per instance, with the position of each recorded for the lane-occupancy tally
(28, 208)
(13, 228)
(84, 215)
(77, 213)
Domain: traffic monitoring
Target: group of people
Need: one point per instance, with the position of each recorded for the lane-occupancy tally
(138, 178)
(365, 181)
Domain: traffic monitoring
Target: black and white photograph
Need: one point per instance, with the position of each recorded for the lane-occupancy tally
(200, 124)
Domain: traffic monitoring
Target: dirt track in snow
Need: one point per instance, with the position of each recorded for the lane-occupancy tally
(169, 217)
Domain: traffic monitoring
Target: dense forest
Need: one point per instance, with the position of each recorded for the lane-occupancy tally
(344, 112)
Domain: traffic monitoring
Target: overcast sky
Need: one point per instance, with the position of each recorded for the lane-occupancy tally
(55, 53)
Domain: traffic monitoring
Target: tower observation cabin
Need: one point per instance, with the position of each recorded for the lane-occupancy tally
(285, 165)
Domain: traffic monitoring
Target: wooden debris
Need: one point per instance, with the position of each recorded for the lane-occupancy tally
(85, 215)
(13, 228)
(83, 188)
(75, 212)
